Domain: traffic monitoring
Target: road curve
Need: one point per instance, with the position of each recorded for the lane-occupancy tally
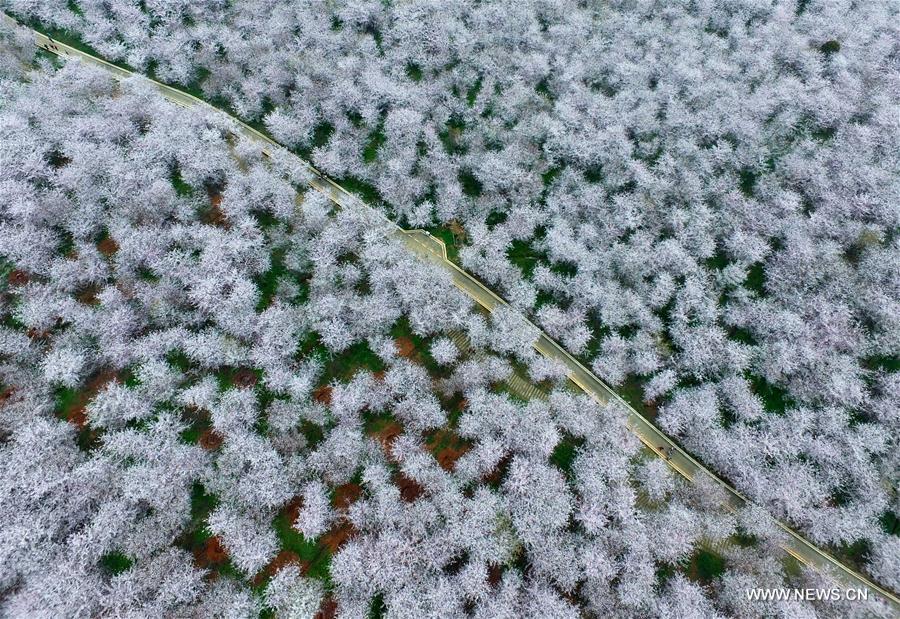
(428, 247)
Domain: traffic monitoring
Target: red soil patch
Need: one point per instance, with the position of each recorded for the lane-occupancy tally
(282, 559)
(244, 378)
(346, 495)
(409, 489)
(448, 456)
(78, 417)
(210, 439)
(210, 554)
(447, 447)
(17, 277)
(322, 395)
(107, 246)
(291, 510)
(495, 575)
(387, 435)
(405, 346)
(328, 609)
(339, 534)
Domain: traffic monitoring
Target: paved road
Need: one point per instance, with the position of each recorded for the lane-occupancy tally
(425, 245)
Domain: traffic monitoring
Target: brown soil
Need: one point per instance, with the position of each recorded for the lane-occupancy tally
(17, 277)
(346, 495)
(210, 554)
(495, 575)
(292, 509)
(282, 559)
(447, 447)
(88, 295)
(37, 335)
(405, 346)
(457, 229)
(387, 435)
(210, 439)
(108, 246)
(78, 417)
(409, 489)
(328, 609)
(7, 394)
(448, 456)
(499, 471)
(76, 414)
(339, 534)
(244, 378)
(462, 405)
(322, 395)
(379, 375)
(214, 215)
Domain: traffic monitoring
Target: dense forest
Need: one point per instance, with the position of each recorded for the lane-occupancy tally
(225, 397)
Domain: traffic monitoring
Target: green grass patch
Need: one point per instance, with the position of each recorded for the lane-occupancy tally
(543, 89)
(830, 48)
(451, 136)
(775, 399)
(472, 92)
(525, 256)
(705, 566)
(471, 186)
(376, 139)
(756, 278)
(564, 453)
(367, 192)
(450, 242)
(181, 188)
(747, 182)
(632, 391)
(202, 504)
(317, 556)
(414, 72)
(267, 283)
(114, 563)
(65, 400)
(343, 366)
(890, 523)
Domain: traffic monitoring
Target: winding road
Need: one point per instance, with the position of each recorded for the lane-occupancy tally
(432, 249)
